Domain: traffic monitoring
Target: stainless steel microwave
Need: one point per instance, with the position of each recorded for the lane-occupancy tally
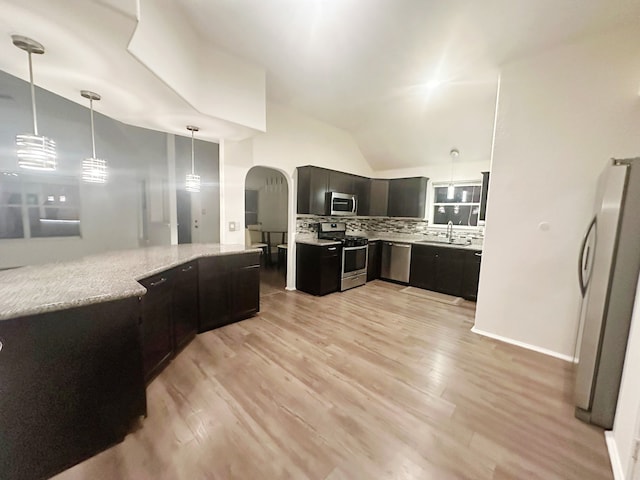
(341, 203)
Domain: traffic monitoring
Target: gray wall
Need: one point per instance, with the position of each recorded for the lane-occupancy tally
(111, 214)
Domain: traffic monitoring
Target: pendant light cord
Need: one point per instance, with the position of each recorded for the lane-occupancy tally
(192, 155)
(93, 135)
(33, 96)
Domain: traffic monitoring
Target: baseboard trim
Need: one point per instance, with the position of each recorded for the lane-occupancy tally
(528, 346)
(291, 289)
(614, 456)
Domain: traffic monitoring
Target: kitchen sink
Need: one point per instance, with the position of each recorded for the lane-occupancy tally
(444, 241)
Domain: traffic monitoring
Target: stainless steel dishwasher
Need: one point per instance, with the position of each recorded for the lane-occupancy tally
(396, 261)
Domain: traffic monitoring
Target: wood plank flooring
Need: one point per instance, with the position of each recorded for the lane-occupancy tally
(366, 384)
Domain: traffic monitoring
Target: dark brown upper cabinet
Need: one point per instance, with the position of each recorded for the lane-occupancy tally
(378, 197)
(313, 184)
(398, 197)
(407, 197)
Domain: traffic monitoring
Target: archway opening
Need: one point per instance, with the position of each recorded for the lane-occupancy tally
(266, 225)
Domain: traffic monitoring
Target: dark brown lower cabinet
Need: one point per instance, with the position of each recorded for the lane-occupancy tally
(184, 311)
(374, 260)
(318, 268)
(71, 385)
(229, 289)
(471, 275)
(453, 271)
(157, 326)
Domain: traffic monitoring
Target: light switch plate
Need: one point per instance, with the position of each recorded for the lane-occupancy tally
(232, 226)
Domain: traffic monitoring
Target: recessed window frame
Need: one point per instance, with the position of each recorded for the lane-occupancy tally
(435, 204)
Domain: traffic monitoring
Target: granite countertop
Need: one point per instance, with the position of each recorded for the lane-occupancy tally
(94, 279)
(309, 240)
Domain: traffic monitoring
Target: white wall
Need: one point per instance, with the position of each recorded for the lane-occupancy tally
(562, 114)
(292, 139)
(627, 419)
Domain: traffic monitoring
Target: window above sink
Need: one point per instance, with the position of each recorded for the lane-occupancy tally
(463, 209)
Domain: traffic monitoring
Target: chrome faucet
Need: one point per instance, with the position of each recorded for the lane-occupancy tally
(450, 231)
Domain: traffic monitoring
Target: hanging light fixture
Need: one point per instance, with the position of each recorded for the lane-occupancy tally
(94, 170)
(451, 191)
(192, 183)
(34, 151)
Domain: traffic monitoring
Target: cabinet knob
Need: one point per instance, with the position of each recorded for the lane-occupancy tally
(478, 254)
(1, 345)
(332, 249)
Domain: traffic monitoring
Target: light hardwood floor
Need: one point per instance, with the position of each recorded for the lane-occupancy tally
(370, 383)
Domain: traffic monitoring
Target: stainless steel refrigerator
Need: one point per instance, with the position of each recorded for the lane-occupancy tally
(608, 275)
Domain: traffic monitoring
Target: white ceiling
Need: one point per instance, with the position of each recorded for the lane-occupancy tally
(358, 64)
(361, 64)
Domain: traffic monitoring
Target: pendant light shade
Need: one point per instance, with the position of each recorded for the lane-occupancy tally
(192, 183)
(35, 152)
(94, 170)
(451, 190)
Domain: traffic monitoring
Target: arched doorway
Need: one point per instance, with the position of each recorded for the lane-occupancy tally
(266, 224)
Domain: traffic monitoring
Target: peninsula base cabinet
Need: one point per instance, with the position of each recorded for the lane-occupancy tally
(229, 289)
(449, 270)
(71, 385)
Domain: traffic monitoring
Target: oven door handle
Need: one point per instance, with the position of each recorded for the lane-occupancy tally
(355, 248)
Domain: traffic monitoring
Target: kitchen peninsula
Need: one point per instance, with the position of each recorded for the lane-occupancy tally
(79, 340)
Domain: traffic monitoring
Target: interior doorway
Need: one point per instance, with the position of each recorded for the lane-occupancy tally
(266, 222)
(183, 207)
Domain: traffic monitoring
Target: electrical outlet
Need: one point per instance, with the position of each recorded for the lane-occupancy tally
(232, 226)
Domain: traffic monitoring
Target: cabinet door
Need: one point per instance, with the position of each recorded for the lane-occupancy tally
(450, 270)
(373, 267)
(471, 275)
(318, 268)
(318, 187)
(213, 292)
(71, 386)
(157, 329)
(407, 197)
(378, 197)
(313, 184)
(341, 182)
(185, 304)
(362, 188)
(330, 269)
(245, 291)
(424, 267)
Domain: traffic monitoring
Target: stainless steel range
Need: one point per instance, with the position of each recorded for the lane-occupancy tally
(355, 253)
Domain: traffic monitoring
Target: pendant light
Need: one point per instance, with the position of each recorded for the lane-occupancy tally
(451, 191)
(192, 183)
(35, 151)
(94, 170)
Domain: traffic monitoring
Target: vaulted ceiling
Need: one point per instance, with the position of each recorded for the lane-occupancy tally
(408, 78)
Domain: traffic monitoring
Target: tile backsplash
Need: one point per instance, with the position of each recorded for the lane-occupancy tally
(306, 224)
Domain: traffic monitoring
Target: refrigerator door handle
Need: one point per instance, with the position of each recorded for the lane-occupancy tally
(583, 262)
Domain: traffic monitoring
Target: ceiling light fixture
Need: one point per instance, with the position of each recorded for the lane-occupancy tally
(35, 152)
(454, 153)
(94, 170)
(192, 183)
